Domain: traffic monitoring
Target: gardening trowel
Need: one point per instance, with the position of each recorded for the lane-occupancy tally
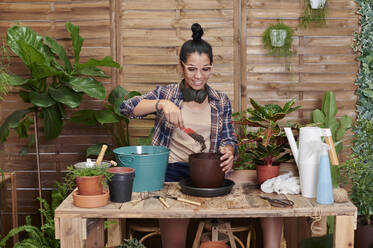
(101, 155)
(197, 137)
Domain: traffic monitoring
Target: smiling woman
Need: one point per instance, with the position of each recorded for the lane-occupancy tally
(189, 105)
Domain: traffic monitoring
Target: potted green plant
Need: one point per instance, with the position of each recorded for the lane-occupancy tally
(314, 12)
(54, 82)
(131, 243)
(267, 145)
(358, 172)
(277, 39)
(4, 67)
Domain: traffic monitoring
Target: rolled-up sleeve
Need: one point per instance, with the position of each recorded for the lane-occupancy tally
(127, 106)
(227, 133)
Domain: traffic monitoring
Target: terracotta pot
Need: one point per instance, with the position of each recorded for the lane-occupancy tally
(205, 170)
(89, 185)
(91, 201)
(243, 176)
(363, 235)
(214, 244)
(267, 172)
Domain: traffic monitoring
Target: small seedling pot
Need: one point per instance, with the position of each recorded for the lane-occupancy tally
(267, 172)
(91, 201)
(278, 37)
(90, 185)
(120, 184)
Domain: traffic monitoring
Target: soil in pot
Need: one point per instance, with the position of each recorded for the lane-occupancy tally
(90, 185)
(91, 201)
(205, 170)
(267, 172)
(120, 184)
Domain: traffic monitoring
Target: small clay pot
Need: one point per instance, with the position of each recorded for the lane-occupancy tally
(89, 185)
(214, 244)
(205, 170)
(91, 201)
(266, 172)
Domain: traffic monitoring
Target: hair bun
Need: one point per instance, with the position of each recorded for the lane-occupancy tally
(197, 31)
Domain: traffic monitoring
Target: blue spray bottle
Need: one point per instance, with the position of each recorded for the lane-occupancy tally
(324, 185)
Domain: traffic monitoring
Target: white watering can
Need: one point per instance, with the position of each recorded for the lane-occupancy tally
(307, 157)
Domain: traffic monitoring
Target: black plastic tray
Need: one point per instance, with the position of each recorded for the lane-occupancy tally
(188, 188)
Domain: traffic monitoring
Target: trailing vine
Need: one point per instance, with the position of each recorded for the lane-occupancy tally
(363, 45)
(284, 50)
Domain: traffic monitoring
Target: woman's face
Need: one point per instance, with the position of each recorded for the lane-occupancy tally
(196, 70)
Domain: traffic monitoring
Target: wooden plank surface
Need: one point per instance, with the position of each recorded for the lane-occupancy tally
(243, 201)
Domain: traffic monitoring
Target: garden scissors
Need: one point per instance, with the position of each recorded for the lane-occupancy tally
(281, 203)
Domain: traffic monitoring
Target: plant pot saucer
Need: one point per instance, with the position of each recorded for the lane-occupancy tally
(188, 188)
(91, 201)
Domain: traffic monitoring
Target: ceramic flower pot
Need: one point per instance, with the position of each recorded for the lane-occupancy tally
(363, 235)
(205, 170)
(91, 201)
(89, 185)
(267, 172)
(278, 37)
(120, 184)
(317, 4)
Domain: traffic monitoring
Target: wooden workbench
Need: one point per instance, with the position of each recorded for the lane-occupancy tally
(242, 202)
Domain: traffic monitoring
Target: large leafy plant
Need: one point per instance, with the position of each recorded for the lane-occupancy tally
(54, 82)
(267, 144)
(110, 117)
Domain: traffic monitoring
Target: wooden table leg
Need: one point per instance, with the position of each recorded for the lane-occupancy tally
(197, 239)
(71, 231)
(95, 233)
(344, 231)
(114, 232)
(13, 184)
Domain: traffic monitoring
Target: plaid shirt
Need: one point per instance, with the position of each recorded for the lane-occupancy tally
(221, 113)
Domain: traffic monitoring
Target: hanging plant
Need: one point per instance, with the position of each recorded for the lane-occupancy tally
(314, 12)
(277, 39)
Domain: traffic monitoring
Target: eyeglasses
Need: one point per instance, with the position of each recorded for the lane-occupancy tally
(205, 70)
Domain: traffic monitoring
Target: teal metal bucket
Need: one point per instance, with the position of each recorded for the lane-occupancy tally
(149, 162)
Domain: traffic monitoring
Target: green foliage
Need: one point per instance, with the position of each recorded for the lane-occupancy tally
(4, 67)
(131, 243)
(358, 172)
(363, 44)
(51, 86)
(313, 16)
(267, 144)
(285, 50)
(110, 117)
(73, 173)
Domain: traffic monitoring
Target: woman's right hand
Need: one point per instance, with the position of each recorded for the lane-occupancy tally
(172, 113)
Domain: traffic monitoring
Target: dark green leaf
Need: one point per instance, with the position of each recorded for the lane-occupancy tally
(77, 40)
(16, 34)
(105, 116)
(107, 61)
(12, 122)
(30, 54)
(52, 123)
(346, 122)
(24, 95)
(257, 106)
(59, 50)
(132, 94)
(90, 86)
(288, 105)
(317, 116)
(116, 98)
(42, 100)
(12, 80)
(61, 109)
(84, 116)
(37, 84)
(66, 96)
(44, 71)
(23, 127)
(329, 105)
(91, 71)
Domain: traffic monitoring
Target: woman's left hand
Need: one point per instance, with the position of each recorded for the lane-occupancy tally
(226, 158)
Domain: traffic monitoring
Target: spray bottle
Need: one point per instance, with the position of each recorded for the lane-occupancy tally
(324, 185)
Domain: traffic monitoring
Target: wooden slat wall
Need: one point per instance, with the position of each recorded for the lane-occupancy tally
(323, 58)
(48, 18)
(145, 37)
